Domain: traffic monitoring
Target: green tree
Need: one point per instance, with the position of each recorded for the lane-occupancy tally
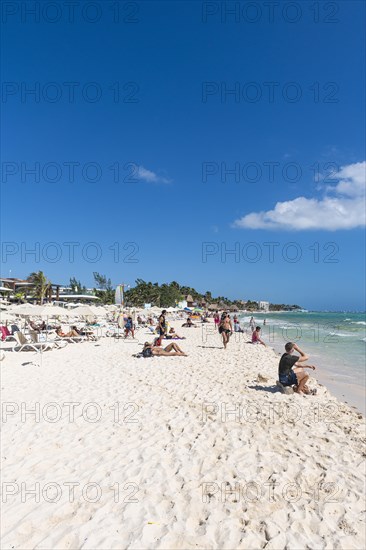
(105, 291)
(76, 286)
(40, 285)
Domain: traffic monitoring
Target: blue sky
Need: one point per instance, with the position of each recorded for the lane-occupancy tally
(151, 124)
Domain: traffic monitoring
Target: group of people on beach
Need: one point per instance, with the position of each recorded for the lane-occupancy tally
(225, 328)
(291, 368)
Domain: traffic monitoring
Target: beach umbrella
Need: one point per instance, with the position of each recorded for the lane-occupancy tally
(83, 310)
(5, 317)
(99, 311)
(26, 310)
(56, 311)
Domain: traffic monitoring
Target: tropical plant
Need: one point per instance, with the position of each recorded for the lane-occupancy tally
(105, 291)
(40, 285)
(76, 286)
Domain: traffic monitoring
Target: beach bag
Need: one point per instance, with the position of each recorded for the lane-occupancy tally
(147, 352)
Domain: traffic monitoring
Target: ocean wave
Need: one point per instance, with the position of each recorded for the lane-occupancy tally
(358, 323)
(340, 334)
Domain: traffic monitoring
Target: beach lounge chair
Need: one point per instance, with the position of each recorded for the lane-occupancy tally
(24, 344)
(6, 335)
(59, 344)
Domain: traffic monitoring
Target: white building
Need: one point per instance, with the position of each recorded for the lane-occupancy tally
(263, 306)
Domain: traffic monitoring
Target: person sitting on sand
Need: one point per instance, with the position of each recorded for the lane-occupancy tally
(225, 328)
(188, 323)
(256, 339)
(170, 350)
(71, 334)
(237, 327)
(174, 335)
(294, 377)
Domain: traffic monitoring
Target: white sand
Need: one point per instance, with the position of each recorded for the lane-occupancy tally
(175, 460)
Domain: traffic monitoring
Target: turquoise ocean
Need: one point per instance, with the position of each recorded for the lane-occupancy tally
(335, 341)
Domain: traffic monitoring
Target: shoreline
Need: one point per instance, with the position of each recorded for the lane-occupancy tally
(190, 440)
(337, 378)
(345, 392)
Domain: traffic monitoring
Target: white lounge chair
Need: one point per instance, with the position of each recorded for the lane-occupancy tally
(57, 343)
(24, 344)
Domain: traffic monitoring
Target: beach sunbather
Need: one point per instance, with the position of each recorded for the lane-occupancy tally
(71, 334)
(294, 377)
(189, 323)
(37, 328)
(169, 351)
(173, 335)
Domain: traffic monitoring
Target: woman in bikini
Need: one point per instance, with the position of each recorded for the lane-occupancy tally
(225, 329)
(170, 351)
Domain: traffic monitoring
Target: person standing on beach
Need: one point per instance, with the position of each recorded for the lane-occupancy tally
(252, 324)
(289, 376)
(225, 328)
(217, 319)
(162, 324)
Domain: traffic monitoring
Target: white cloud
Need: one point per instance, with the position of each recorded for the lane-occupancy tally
(342, 207)
(149, 176)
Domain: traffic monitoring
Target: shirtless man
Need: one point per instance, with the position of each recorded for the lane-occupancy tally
(225, 329)
(289, 376)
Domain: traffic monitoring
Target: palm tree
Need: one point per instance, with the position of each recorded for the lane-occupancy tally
(41, 285)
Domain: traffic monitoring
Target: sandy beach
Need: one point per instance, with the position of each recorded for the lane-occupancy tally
(190, 452)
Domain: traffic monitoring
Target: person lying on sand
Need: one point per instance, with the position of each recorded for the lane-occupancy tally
(294, 377)
(170, 350)
(71, 334)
